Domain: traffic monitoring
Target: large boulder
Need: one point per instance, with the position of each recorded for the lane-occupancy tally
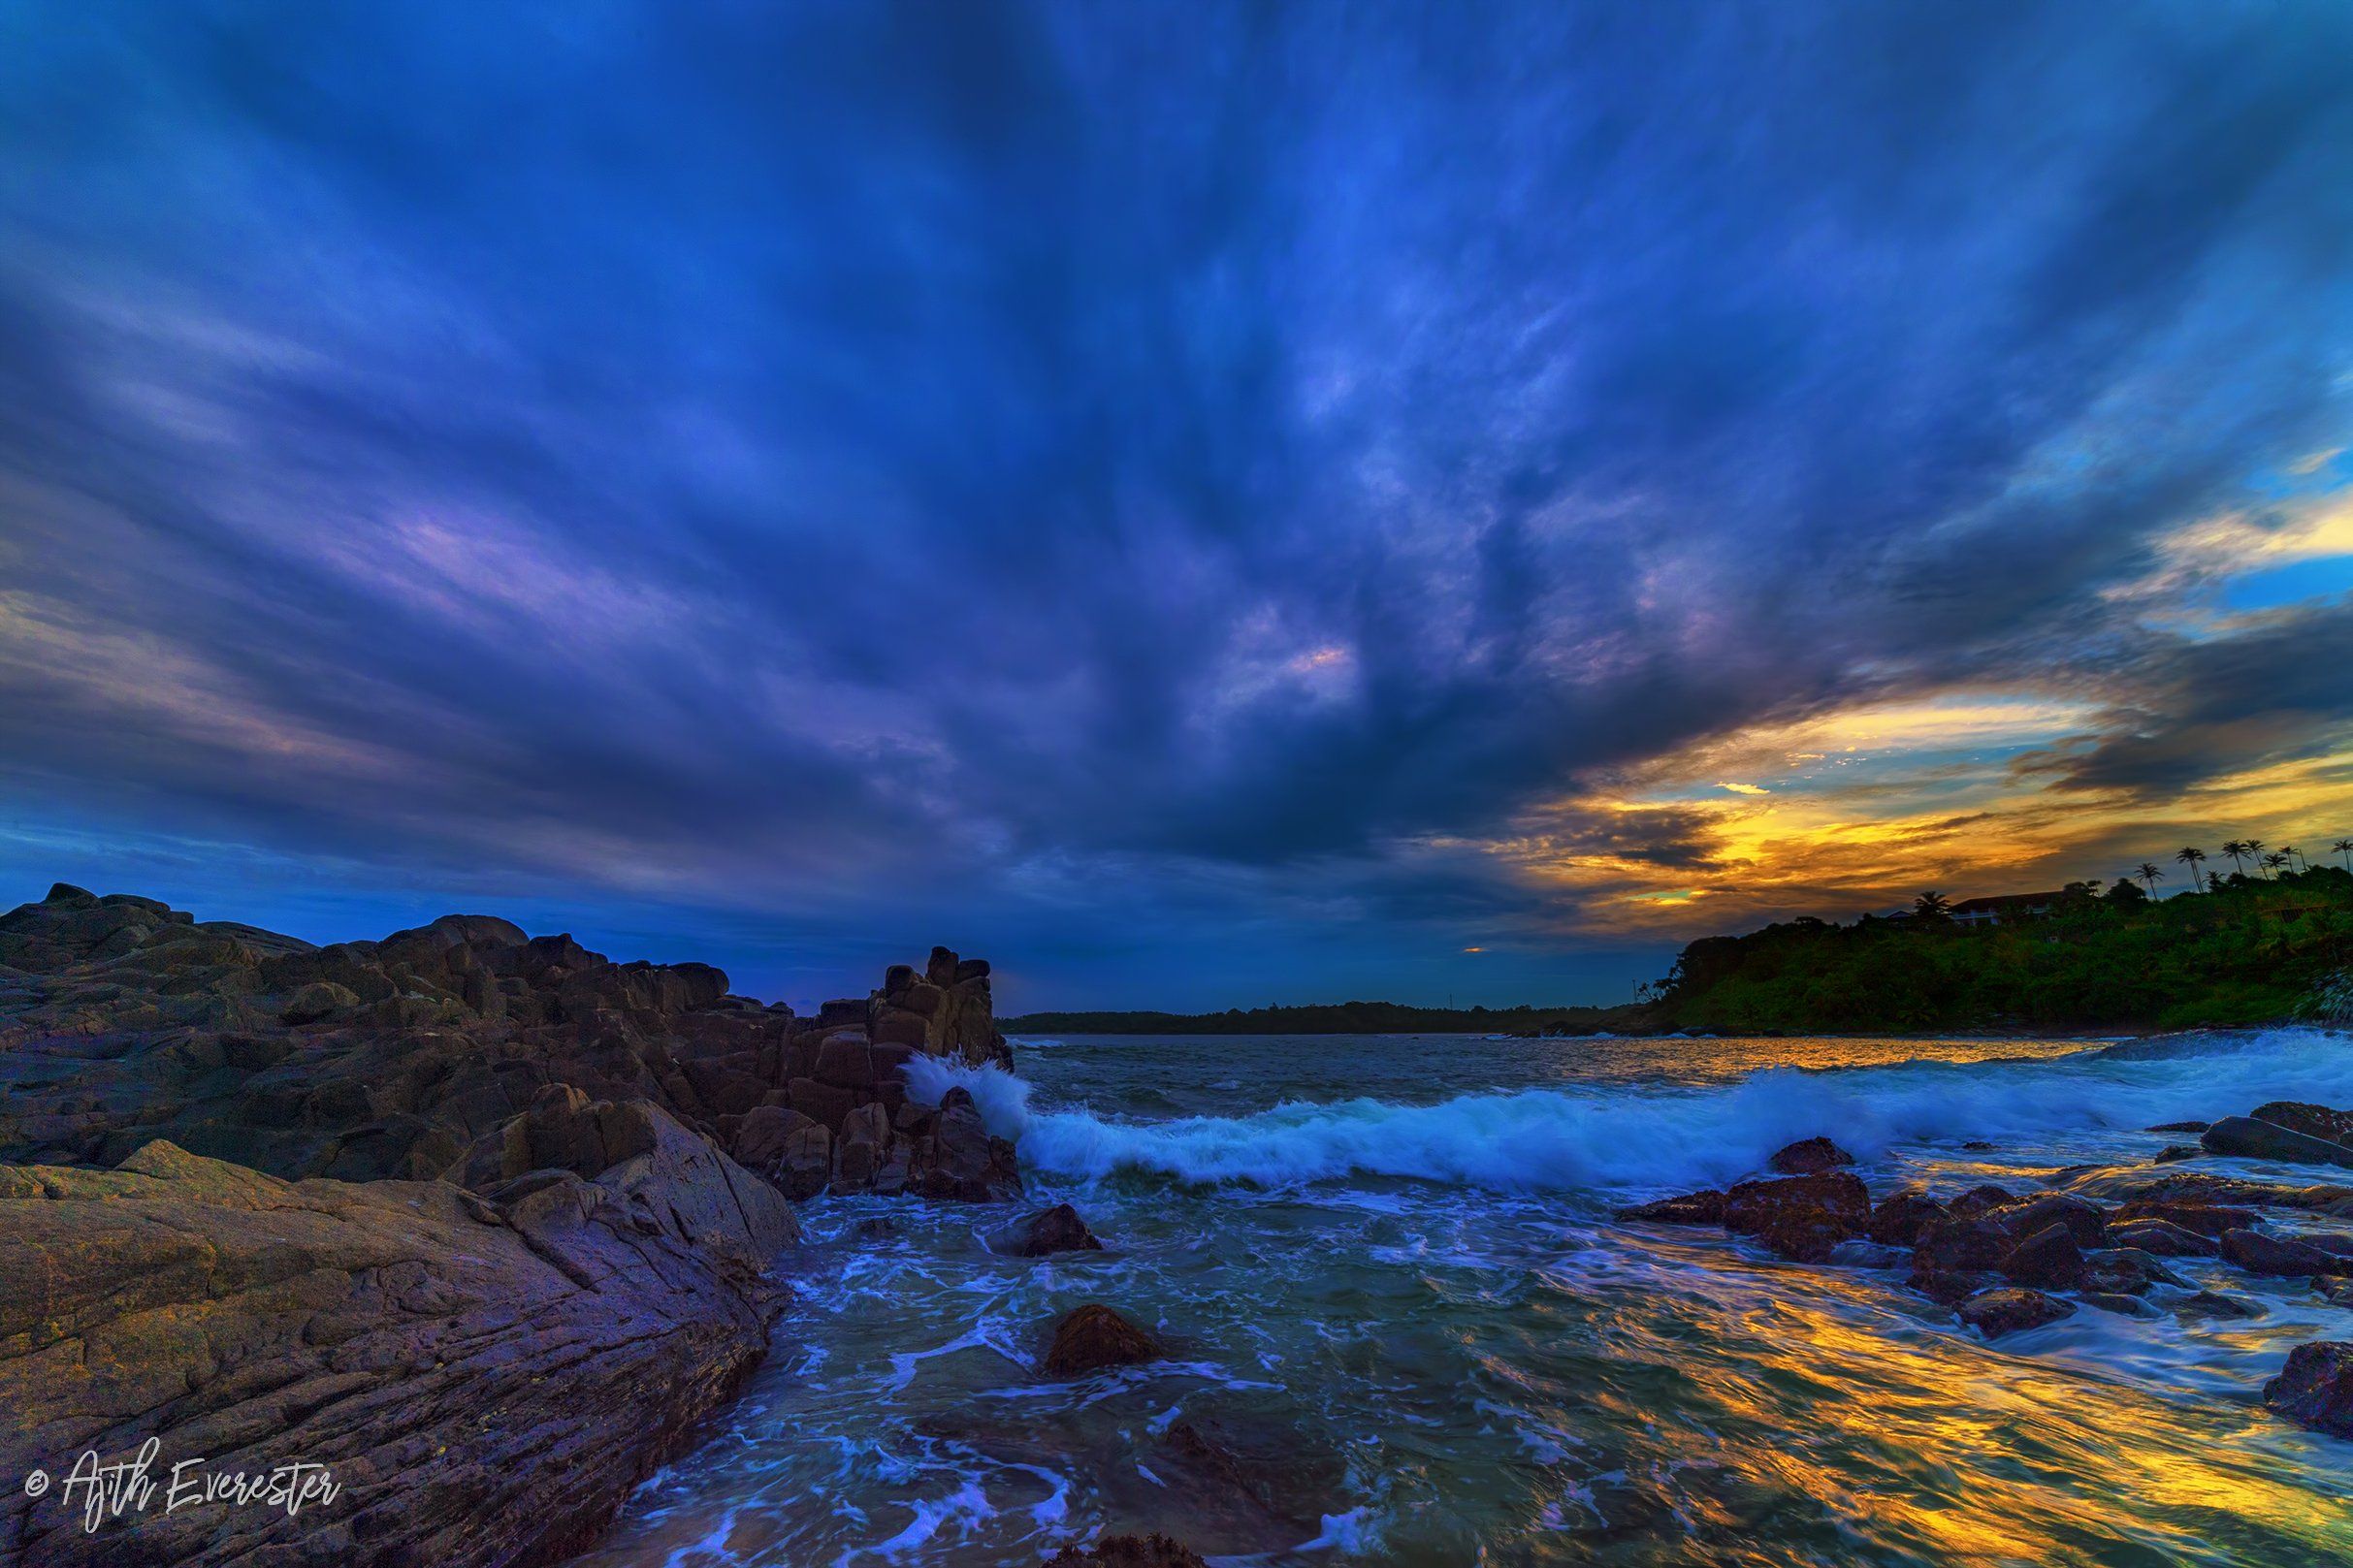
(2285, 1256)
(1802, 1218)
(1809, 1157)
(2048, 1259)
(455, 1362)
(1093, 1337)
(2249, 1138)
(2323, 1122)
(1048, 1230)
(2315, 1389)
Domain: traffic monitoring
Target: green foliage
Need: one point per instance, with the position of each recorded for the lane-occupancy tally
(2248, 951)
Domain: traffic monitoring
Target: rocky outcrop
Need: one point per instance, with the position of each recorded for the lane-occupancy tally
(1799, 1217)
(456, 1361)
(1047, 1231)
(1809, 1157)
(2315, 1389)
(123, 1021)
(1995, 1313)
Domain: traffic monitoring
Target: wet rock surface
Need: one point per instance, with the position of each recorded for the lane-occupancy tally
(456, 1360)
(1129, 1552)
(2315, 1389)
(1092, 1338)
(481, 1221)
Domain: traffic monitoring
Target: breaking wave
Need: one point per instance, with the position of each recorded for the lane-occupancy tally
(1644, 1138)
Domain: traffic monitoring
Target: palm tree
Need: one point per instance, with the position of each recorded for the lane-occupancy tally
(2294, 854)
(2274, 861)
(2191, 858)
(1931, 906)
(2234, 848)
(2254, 851)
(2344, 847)
(2148, 875)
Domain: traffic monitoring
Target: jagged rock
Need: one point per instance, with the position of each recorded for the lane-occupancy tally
(2315, 1389)
(2163, 1237)
(1129, 1552)
(2248, 1138)
(369, 1328)
(1092, 1338)
(1900, 1218)
(397, 1057)
(2261, 1253)
(320, 999)
(1809, 1157)
(1799, 1217)
(1048, 1231)
(1979, 1200)
(1995, 1313)
(2083, 1222)
(2050, 1258)
(2125, 1271)
(1704, 1207)
(1961, 1246)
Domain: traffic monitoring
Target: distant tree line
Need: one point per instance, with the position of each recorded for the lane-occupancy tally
(1323, 1019)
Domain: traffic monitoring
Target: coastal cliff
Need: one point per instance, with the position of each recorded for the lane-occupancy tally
(480, 1223)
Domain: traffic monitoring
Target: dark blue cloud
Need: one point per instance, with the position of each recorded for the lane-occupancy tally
(1186, 470)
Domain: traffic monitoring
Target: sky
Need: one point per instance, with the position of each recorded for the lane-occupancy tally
(1202, 504)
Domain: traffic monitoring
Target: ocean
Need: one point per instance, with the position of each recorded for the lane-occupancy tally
(1403, 1327)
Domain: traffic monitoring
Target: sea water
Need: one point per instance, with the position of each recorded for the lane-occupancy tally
(1404, 1327)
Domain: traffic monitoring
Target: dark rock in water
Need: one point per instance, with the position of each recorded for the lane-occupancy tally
(2208, 1220)
(2125, 1271)
(2134, 1186)
(1704, 1207)
(1129, 1552)
(1810, 1157)
(1995, 1313)
(2163, 1237)
(1981, 1198)
(2248, 1138)
(1951, 1287)
(1961, 1246)
(458, 1362)
(2050, 1258)
(2322, 1122)
(2121, 1304)
(2214, 1305)
(1048, 1231)
(1899, 1219)
(2283, 1255)
(1092, 1338)
(2084, 1223)
(2173, 1153)
(1801, 1218)
(2338, 1289)
(1859, 1254)
(1977, 1145)
(2315, 1389)
(2180, 1127)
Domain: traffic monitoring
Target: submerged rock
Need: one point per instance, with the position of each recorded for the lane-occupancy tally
(1129, 1552)
(1092, 1338)
(1809, 1157)
(1995, 1313)
(2286, 1256)
(1703, 1207)
(1048, 1231)
(2215, 1304)
(2315, 1389)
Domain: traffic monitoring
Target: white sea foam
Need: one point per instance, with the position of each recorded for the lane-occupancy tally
(1001, 1097)
(1031, 1045)
(1619, 1138)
